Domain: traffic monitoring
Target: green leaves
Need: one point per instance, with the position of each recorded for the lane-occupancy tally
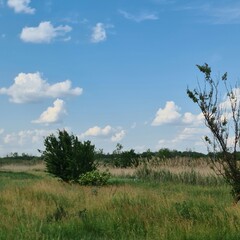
(206, 70)
(192, 95)
(225, 158)
(94, 178)
(66, 157)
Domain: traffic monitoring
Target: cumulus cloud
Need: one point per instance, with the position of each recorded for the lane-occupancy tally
(190, 127)
(31, 87)
(139, 17)
(45, 32)
(114, 134)
(169, 114)
(189, 118)
(117, 137)
(99, 33)
(21, 6)
(97, 131)
(53, 114)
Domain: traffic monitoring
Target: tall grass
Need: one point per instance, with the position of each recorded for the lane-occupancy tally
(39, 207)
(187, 177)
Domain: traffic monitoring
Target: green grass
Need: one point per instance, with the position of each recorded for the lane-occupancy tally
(40, 207)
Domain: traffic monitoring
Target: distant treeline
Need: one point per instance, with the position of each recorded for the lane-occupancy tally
(121, 158)
(16, 158)
(118, 158)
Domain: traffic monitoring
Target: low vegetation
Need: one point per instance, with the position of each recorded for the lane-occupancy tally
(175, 198)
(37, 206)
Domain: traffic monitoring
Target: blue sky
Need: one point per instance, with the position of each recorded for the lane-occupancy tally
(110, 71)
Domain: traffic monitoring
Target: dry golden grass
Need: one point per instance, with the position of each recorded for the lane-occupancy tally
(23, 167)
(173, 165)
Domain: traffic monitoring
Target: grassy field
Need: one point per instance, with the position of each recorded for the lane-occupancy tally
(37, 206)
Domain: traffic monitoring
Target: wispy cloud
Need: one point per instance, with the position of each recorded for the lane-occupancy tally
(225, 15)
(31, 87)
(189, 137)
(99, 32)
(222, 12)
(45, 32)
(21, 6)
(163, 1)
(144, 16)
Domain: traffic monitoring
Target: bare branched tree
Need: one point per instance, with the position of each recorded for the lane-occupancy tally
(223, 120)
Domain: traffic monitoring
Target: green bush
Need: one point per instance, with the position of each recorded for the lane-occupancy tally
(66, 157)
(124, 159)
(94, 178)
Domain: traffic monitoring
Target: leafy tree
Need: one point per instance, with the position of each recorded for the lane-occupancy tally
(223, 120)
(118, 149)
(66, 157)
(165, 153)
(124, 159)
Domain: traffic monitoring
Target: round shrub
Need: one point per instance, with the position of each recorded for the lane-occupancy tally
(66, 157)
(94, 178)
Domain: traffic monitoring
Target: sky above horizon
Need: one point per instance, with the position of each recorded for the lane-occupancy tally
(111, 71)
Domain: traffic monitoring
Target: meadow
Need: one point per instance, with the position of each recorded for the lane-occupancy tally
(171, 200)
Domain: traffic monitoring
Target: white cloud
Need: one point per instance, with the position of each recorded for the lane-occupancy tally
(27, 141)
(114, 134)
(191, 133)
(189, 118)
(44, 33)
(99, 33)
(117, 137)
(97, 131)
(224, 14)
(215, 12)
(25, 137)
(30, 87)
(21, 6)
(169, 114)
(52, 114)
(9, 138)
(1, 131)
(188, 138)
(140, 17)
(226, 104)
